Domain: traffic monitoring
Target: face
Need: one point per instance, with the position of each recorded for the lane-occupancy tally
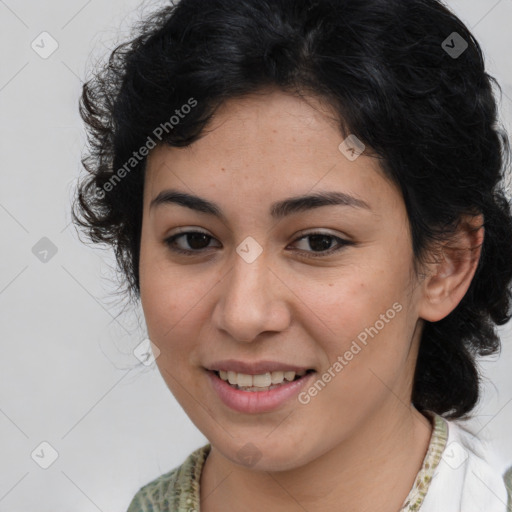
(261, 277)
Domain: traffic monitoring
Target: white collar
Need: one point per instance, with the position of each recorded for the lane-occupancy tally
(464, 480)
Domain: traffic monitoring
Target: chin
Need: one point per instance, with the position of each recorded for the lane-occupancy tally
(263, 455)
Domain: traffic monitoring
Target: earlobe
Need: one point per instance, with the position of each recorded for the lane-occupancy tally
(448, 279)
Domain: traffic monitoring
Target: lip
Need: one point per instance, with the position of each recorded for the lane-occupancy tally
(254, 368)
(252, 402)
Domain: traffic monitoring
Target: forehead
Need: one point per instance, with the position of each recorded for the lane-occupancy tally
(267, 120)
(271, 145)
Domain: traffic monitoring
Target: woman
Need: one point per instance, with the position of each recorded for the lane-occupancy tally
(306, 197)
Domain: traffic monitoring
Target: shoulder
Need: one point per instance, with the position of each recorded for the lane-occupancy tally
(508, 484)
(175, 490)
(467, 477)
(150, 497)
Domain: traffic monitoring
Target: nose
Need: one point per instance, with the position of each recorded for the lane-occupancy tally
(251, 301)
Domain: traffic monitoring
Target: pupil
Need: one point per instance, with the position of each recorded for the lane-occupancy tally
(197, 237)
(320, 242)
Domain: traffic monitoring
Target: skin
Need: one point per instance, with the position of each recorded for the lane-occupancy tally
(359, 439)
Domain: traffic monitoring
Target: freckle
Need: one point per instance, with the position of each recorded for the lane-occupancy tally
(331, 284)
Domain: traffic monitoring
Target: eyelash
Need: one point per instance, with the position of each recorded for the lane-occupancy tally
(307, 254)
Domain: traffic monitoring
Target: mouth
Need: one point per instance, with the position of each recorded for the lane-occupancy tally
(260, 393)
(261, 382)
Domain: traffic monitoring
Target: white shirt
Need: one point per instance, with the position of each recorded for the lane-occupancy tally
(464, 480)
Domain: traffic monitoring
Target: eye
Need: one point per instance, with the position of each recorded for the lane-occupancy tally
(196, 241)
(321, 244)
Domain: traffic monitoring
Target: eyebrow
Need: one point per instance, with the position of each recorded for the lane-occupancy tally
(278, 210)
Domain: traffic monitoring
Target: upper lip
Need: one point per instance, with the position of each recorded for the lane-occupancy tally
(254, 368)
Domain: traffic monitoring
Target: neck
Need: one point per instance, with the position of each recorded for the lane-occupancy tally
(373, 470)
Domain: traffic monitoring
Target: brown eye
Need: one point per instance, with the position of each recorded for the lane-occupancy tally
(197, 240)
(188, 242)
(322, 244)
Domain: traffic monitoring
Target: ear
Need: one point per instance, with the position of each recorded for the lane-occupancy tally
(449, 277)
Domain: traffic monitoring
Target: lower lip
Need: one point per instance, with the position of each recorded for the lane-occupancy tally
(257, 401)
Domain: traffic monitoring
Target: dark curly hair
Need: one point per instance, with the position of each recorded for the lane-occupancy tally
(389, 69)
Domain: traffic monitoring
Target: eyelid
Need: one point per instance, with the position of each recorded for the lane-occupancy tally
(188, 230)
(342, 242)
(321, 231)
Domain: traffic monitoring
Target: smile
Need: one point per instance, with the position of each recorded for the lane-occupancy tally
(260, 382)
(259, 394)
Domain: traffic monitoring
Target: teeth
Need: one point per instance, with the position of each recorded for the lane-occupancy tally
(290, 375)
(277, 377)
(259, 381)
(262, 380)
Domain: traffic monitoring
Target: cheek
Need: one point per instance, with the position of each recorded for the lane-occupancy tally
(171, 306)
(361, 316)
(168, 304)
(365, 344)
(176, 301)
(353, 299)
(165, 295)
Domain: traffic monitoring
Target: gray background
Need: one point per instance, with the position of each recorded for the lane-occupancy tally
(68, 375)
